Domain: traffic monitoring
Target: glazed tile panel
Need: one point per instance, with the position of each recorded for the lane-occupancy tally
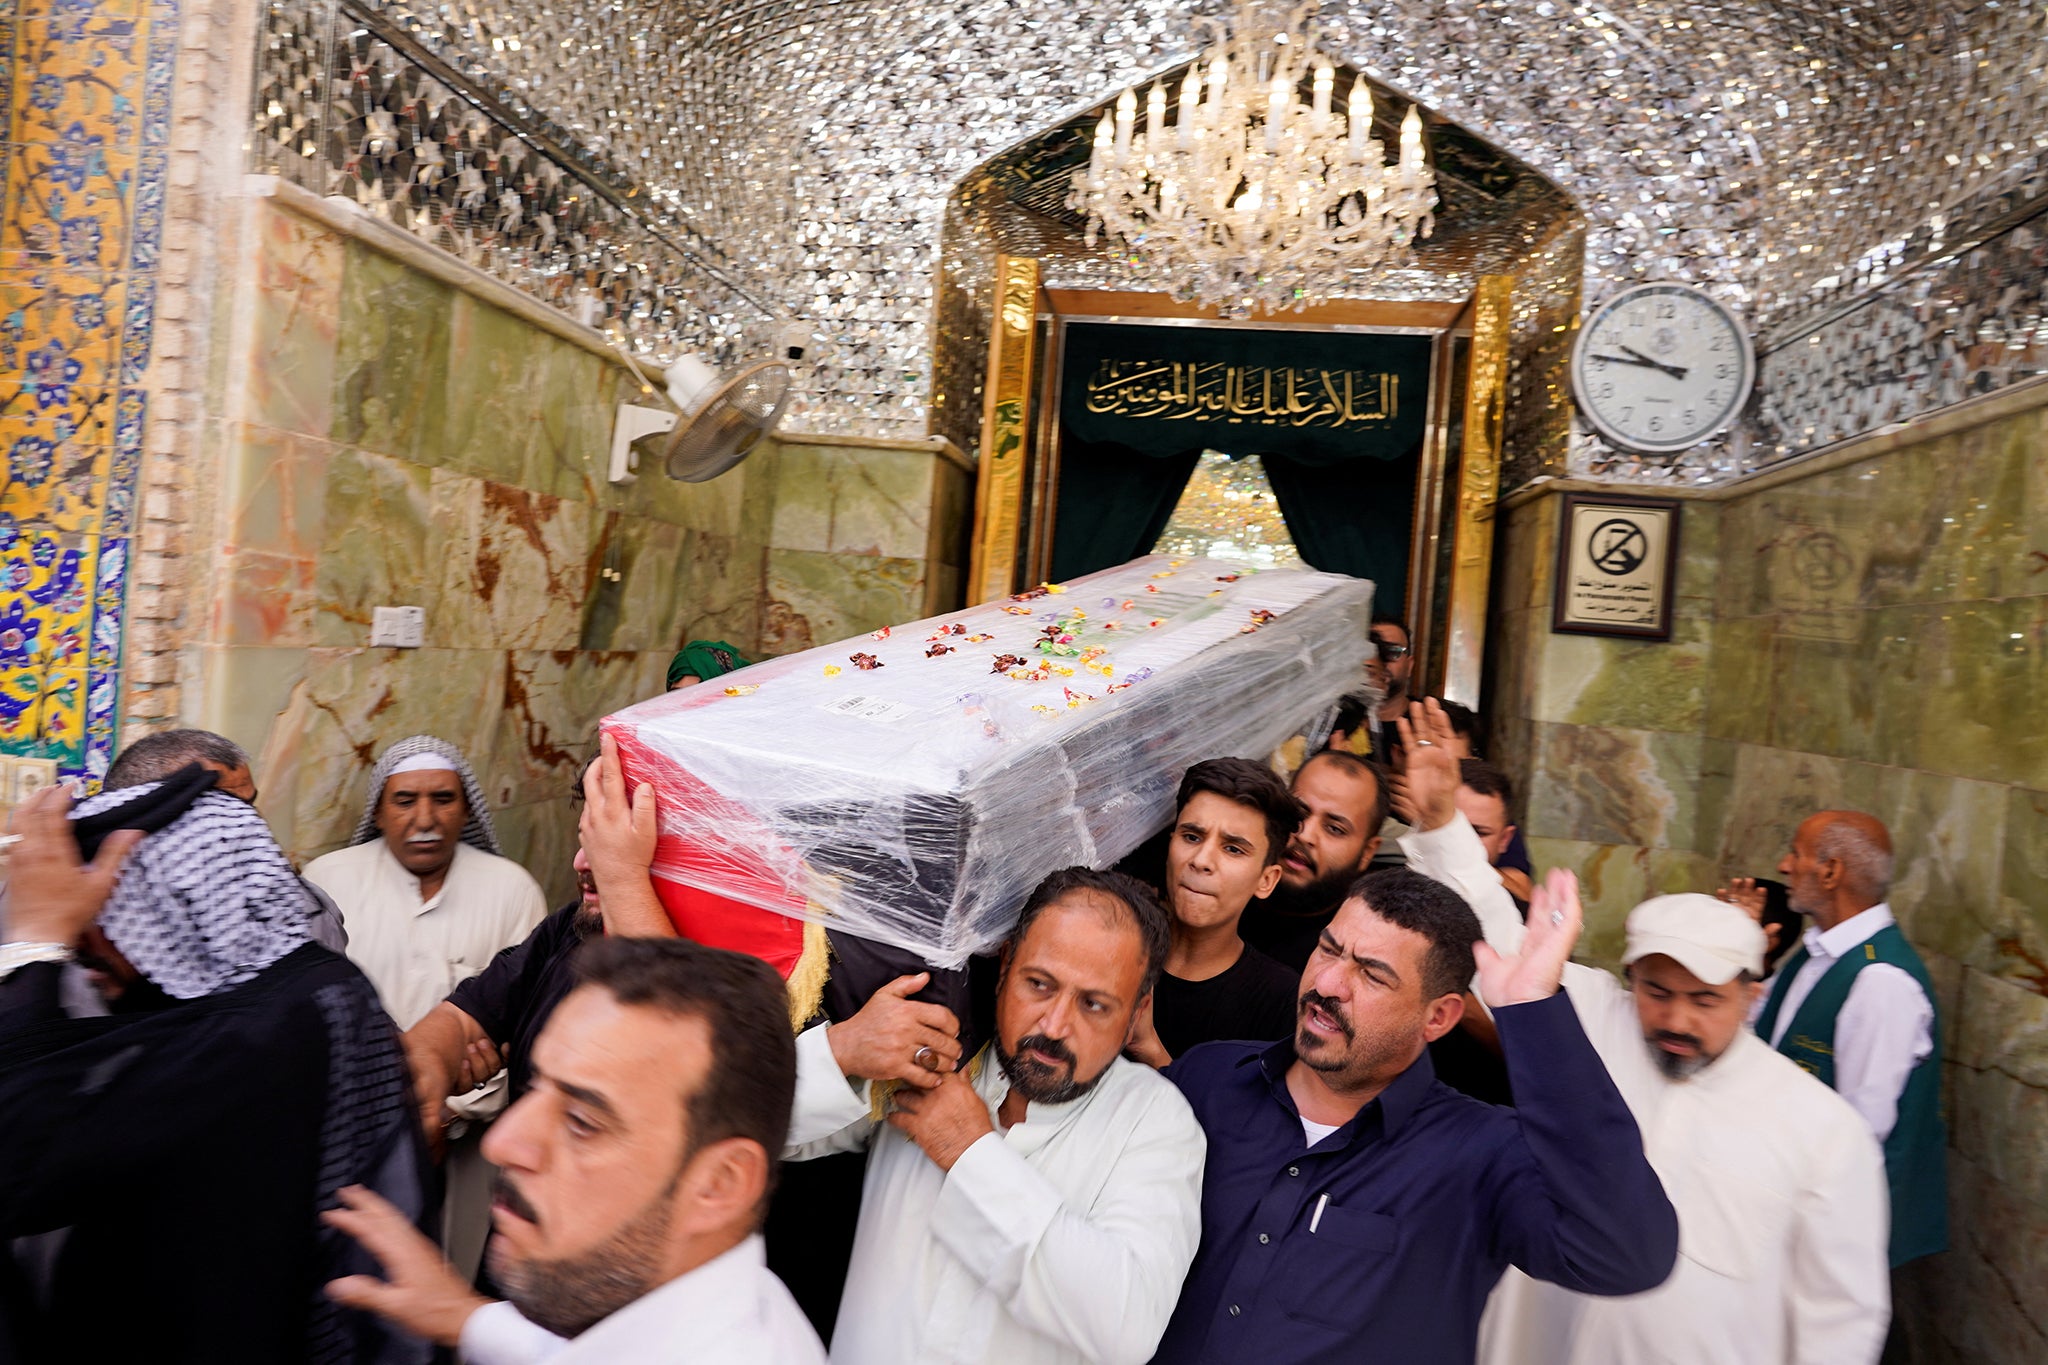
(86, 90)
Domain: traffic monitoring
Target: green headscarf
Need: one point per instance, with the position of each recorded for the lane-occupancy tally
(705, 660)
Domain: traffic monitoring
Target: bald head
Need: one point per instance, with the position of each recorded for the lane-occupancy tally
(1840, 865)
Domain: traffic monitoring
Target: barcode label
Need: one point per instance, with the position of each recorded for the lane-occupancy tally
(872, 708)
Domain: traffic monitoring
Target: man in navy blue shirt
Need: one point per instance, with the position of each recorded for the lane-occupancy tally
(1354, 1208)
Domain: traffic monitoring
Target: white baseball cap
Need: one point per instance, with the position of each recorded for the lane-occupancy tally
(1712, 939)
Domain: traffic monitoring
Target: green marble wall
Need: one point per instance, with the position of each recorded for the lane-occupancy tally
(387, 439)
(1873, 635)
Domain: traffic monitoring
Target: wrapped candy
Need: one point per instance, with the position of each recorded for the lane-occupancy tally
(917, 801)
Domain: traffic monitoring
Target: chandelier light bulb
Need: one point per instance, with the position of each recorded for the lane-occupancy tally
(1319, 109)
(1190, 102)
(1155, 115)
(1126, 115)
(1361, 118)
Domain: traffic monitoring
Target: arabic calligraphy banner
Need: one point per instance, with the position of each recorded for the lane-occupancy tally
(1316, 397)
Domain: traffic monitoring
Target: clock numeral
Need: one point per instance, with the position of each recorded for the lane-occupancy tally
(1628, 414)
(1604, 391)
(1656, 424)
(1713, 395)
(1724, 371)
(1720, 344)
(1666, 310)
(1688, 418)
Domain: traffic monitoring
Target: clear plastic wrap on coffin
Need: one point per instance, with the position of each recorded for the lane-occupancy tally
(912, 786)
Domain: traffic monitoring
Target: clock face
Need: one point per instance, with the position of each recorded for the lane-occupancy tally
(1660, 367)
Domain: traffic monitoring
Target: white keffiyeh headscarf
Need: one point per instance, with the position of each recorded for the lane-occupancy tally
(206, 902)
(476, 831)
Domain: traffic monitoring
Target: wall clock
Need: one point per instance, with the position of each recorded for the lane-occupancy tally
(1661, 367)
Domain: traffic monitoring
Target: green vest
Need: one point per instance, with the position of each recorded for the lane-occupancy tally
(1915, 1155)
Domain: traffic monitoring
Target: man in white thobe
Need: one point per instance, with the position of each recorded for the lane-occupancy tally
(1779, 1186)
(428, 901)
(1042, 1205)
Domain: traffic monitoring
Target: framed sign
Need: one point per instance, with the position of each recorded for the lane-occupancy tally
(1617, 566)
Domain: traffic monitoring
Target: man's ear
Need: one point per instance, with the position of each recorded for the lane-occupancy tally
(723, 1185)
(1371, 850)
(1268, 879)
(1444, 1013)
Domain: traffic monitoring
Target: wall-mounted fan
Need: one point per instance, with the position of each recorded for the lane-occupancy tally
(715, 423)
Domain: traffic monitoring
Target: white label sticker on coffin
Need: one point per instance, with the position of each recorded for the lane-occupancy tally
(872, 708)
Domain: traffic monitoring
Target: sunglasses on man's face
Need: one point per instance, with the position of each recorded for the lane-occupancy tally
(1389, 651)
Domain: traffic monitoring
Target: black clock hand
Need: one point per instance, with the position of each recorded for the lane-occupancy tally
(1624, 360)
(1675, 371)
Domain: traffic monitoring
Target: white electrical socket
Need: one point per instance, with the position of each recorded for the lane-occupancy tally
(398, 628)
(21, 778)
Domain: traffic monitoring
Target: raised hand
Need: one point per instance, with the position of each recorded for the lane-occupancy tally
(895, 1038)
(1425, 790)
(52, 895)
(420, 1291)
(1744, 893)
(1555, 919)
(618, 835)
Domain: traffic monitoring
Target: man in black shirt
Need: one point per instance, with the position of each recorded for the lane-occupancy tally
(1233, 820)
(1345, 803)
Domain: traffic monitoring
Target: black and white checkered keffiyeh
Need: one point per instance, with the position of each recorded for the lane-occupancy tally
(207, 901)
(476, 832)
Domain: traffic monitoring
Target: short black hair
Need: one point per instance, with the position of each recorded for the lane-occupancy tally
(1487, 780)
(1249, 784)
(1464, 721)
(752, 1081)
(1387, 618)
(1382, 801)
(1351, 712)
(1408, 900)
(1146, 912)
(155, 757)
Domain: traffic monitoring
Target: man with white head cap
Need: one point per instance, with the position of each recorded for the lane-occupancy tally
(1779, 1186)
(428, 902)
(427, 898)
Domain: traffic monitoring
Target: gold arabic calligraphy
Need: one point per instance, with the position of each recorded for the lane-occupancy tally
(1267, 395)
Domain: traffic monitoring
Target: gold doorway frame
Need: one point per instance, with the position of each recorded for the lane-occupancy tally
(1015, 497)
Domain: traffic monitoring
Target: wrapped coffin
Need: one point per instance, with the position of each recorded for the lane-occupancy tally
(912, 786)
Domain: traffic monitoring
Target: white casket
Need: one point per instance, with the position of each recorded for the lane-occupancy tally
(912, 786)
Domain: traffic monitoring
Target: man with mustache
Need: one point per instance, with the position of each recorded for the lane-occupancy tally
(634, 1174)
(1035, 1205)
(427, 900)
(1345, 801)
(495, 1017)
(1353, 1206)
(1779, 1186)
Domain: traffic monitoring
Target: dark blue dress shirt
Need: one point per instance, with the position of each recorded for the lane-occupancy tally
(1425, 1198)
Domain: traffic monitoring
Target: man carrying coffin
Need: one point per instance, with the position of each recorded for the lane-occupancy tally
(1034, 1203)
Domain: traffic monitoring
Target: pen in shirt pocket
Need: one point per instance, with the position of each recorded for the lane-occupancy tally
(1317, 1216)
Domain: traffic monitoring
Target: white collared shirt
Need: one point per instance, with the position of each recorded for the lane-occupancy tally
(416, 950)
(729, 1311)
(1064, 1239)
(1885, 1027)
(1779, 1187)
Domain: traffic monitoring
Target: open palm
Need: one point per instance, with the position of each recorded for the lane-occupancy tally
(1555, 919)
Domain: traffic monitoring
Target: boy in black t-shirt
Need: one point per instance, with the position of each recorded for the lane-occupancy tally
(1232, 822)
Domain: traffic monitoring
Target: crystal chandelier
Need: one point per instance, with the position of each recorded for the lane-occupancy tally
(1248, 198)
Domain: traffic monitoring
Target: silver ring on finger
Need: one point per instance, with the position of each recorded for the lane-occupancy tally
(926, 1058)
(1556, 917)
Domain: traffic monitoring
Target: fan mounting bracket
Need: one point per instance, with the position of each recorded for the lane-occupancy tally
(632, 424)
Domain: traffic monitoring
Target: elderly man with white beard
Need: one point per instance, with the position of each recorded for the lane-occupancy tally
(1779, 1186)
